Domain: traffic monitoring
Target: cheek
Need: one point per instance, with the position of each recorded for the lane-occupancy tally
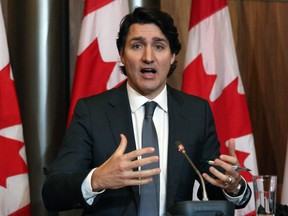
(130, 65)
(167, 63)
(130, 61)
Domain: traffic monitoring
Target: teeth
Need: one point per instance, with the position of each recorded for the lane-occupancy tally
(148, 70)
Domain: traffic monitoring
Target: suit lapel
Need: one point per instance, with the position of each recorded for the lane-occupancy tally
(177, 132)
(119, 115)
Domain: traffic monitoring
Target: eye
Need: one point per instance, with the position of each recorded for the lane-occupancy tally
(136, 46)
(159, 47)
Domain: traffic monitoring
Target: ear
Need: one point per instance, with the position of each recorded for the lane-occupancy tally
(173, 57)
(122, 57)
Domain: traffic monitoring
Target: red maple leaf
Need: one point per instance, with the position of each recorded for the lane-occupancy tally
(11, 163)
(92, 74)
(196, 81)
(25, 211)
(230, 109)
(231, 112)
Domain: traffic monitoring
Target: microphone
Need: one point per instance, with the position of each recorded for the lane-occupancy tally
(202, 207)
(181, 148)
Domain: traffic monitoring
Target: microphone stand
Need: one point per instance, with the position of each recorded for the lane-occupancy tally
(204, 207)
(182, 149)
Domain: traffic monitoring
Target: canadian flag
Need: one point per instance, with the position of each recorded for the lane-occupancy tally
(97, 67)
(14, 185)
(212, 72)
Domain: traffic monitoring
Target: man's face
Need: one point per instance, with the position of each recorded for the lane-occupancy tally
(147, 58)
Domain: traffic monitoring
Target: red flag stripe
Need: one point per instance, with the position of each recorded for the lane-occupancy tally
(212, 72)
(14, 185)
(203, 9)
(9, 110)
(90, 69)
(97, 67)
(92, 5)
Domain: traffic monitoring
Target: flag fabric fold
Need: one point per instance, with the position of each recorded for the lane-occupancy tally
(97, 64)
(211, 71)
(14, 185)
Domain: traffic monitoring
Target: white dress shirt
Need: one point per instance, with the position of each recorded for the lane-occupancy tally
(160, 119)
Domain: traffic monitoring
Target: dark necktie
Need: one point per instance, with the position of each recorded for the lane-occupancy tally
(149, 193)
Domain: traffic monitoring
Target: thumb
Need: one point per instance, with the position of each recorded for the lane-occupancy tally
(122, 146)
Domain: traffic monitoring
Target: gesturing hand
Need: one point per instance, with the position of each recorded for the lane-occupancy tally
(231, 178)
(118, 172)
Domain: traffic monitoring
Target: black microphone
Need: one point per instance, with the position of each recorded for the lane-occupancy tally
(206, 208)
(181, 148)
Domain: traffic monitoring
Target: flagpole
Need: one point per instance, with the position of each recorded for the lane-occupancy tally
(38, 34)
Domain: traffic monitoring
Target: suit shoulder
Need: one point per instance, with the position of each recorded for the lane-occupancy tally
(182, 96)
(101, 97)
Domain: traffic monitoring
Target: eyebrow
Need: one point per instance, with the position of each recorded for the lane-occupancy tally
(155, 39)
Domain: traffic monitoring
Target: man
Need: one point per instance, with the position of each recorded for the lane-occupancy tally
(101, 165)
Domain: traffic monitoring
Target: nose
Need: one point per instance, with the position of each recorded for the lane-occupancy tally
(148, 55)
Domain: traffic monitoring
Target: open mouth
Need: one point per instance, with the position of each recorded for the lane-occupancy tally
(148, 70)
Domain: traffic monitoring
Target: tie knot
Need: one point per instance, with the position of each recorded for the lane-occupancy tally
(149, 108)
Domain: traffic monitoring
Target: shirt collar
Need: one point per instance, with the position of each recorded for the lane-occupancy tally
(137, 100)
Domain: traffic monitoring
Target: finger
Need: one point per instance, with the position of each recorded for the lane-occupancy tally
(138, 181)
(144, 161)
(143, 174)
(222, 183)
(136, 153)
(232, 157)
(142, 181)
(213, 181)
(219, 175)
(226, 162)
(139, 177)
(231, 147)
(132, 164)
(224, 178)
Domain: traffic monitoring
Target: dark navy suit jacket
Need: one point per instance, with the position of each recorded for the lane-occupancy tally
(94, 134)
